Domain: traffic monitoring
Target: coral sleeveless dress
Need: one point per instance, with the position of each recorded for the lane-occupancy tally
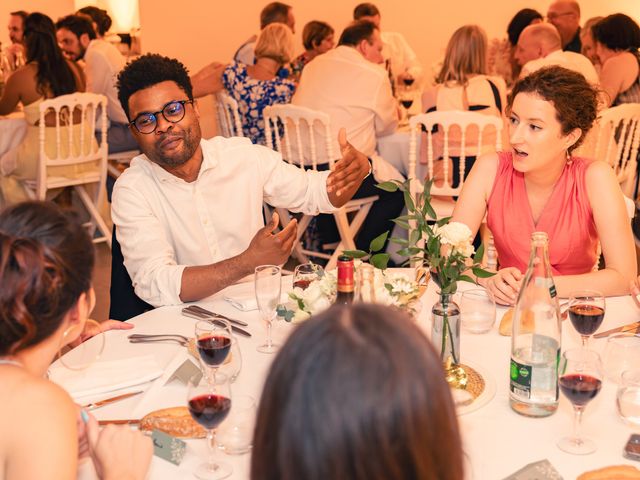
(567, 219)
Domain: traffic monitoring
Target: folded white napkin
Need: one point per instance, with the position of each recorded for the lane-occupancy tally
(106, 376)
(246, 303)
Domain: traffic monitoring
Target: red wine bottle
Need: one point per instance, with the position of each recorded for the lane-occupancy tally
(345, 281)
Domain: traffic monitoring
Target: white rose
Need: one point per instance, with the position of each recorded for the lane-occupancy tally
(299, 316)
(458, 235)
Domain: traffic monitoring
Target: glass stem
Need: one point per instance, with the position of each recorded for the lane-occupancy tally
(269, 342)
(577, 420)
(585, 339)
(211, 444)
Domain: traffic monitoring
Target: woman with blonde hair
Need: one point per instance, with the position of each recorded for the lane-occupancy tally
(257, 86)
(463, 84)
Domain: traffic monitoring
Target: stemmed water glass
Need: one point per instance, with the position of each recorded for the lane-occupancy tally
(213, 341)
(580, 381)
(305, 273)
(268, 283)
(209, 403)
(586, 311)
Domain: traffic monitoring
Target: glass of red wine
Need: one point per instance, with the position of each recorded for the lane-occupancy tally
(406, 100)
(586, 311)
(213, 341)
(580, 381)
(209, 403)
(267, 281)
(305, 274)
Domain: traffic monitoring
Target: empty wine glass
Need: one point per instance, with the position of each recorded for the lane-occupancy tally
(306, 273)
(586, 311)
(580, 381)
(477, 310)
(267, 284)
(86, 353)
(213, 341)
(209, 403)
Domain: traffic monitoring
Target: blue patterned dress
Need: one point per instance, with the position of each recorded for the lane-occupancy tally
(253, 95)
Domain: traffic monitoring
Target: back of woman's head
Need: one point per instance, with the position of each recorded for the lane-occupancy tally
(574, 99)
(617, 32)
(99, 16)
(356, 393)
(46, 261)
(275, 42)
(520, 21)
(466, 55)
(54, 73)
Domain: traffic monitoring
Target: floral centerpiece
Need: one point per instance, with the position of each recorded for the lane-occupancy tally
(446, 248)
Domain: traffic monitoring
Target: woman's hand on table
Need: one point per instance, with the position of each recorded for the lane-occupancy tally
(91, 329)
(119, 452)
(504, 285)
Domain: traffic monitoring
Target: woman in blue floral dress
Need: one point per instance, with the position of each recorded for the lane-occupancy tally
(257, 86)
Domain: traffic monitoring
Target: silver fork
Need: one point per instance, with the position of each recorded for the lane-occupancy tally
(142, 338)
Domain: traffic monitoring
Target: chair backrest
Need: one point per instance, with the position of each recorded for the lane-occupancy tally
(615, 139)
(300, 134)
(470, 128)
(75, 116)
(229, 124)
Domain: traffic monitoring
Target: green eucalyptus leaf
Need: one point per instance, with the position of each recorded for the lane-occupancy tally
(443, 221)
(380, 260)
(466, 278)
(355, 253)
(408, 201)
(428, 209)
(399, 241)
(482, 273)
(477, 258)
(414, 236)
(388, 186)
(378, 242)
(401, 224)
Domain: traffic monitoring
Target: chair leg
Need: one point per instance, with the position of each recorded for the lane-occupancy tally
(95, 215)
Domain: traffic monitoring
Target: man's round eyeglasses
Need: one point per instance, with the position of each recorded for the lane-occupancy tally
(172, 112)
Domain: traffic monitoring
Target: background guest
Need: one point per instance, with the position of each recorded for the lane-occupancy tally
(539, 186)
(257, 86)
(540, 46)
(47, 74)
(103, 62)
(565, 16)
(463, 84)
(275, 12)
(15, 52)
(399, 59)
(46, 264)
(588, 43)
(369, 386)
(617, 40)
(317, 38)
(501, 60)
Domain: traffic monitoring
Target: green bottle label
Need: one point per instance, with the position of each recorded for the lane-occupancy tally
(520, 383)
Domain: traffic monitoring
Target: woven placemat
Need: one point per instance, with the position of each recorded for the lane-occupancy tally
(475, 382)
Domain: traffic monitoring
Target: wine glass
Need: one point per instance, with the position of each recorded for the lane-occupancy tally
(209, 403)
(477, 310)
(267, 283)
(233, 364)
(86, 353)
(213, 342)
(586, 311)
(406, 100)
(306, 273)
(580, 381)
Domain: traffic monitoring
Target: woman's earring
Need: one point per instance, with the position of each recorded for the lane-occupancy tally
(569, 158)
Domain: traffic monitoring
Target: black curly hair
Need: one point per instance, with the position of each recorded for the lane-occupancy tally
(575, 100)
(149, 70)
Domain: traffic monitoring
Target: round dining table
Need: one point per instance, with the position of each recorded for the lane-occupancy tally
(497, 442)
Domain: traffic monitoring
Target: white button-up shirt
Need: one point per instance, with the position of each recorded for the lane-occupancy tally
(103, 63)
(165, 224)
(569, 60)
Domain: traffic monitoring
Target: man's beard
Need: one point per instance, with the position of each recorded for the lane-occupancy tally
(191, 141)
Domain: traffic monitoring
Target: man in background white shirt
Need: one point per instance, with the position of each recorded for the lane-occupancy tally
(188, 213)
(275, 12)
(103, 61)
(399, 57)
(350, 85)
(15, 52)
(540, 46)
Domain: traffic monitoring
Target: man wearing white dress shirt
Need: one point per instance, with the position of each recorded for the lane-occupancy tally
(188, 212)
(103, 61)
(350, 85)
(399, 57)
(539, 45)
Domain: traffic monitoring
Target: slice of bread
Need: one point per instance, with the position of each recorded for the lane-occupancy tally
(175, 421)
(615, 472)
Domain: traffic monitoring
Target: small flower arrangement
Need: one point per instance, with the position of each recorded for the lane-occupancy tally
(318, 296)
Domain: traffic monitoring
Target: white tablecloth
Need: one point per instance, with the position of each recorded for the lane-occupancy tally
(13, 128)
(497, 441)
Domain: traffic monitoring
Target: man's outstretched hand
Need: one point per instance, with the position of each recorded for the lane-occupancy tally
(348, 172)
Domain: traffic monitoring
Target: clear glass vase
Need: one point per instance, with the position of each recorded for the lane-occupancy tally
(445, 336)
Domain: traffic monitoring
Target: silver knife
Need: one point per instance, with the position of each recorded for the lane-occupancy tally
(199, 316)
(204, 311)
(102, 403)
(624, 328)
